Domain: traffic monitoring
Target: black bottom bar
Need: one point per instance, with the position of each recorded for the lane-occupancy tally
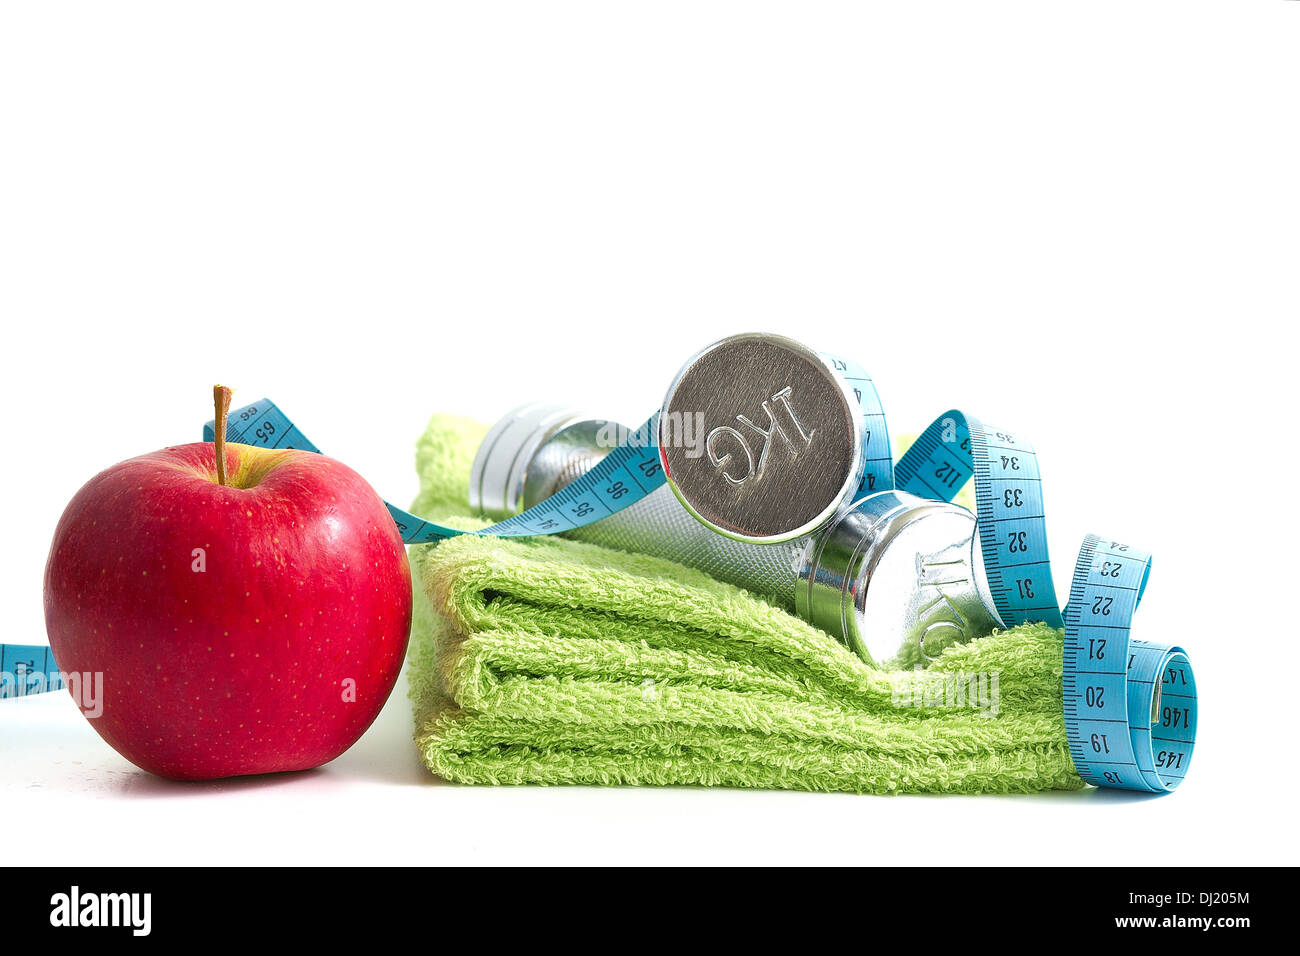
(931, 905)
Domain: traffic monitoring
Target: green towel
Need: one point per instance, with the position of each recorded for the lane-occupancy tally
(552, 661)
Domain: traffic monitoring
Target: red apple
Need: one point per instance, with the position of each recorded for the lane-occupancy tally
(246, 627)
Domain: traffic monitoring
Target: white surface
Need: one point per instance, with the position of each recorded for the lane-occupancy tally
(1075, 220)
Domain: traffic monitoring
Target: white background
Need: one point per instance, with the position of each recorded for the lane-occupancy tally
(1077, 220)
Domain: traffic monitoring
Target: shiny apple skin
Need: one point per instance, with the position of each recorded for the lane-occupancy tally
(242, 667)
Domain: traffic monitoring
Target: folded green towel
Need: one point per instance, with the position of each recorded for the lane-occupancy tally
(552, 661)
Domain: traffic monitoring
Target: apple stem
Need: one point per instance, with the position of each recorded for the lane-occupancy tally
(221, 398)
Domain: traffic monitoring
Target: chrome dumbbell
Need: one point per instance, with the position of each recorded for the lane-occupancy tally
(762, 443)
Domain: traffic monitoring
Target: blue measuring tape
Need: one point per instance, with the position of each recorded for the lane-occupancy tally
(1130, 706)
(878, 464)
(1130, 714)
(1008, 506)
(623, 477)
(27, 669)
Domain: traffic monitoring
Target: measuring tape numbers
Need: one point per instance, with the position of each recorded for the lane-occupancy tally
(1130, 706)
(27, 669)
(878, 455)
